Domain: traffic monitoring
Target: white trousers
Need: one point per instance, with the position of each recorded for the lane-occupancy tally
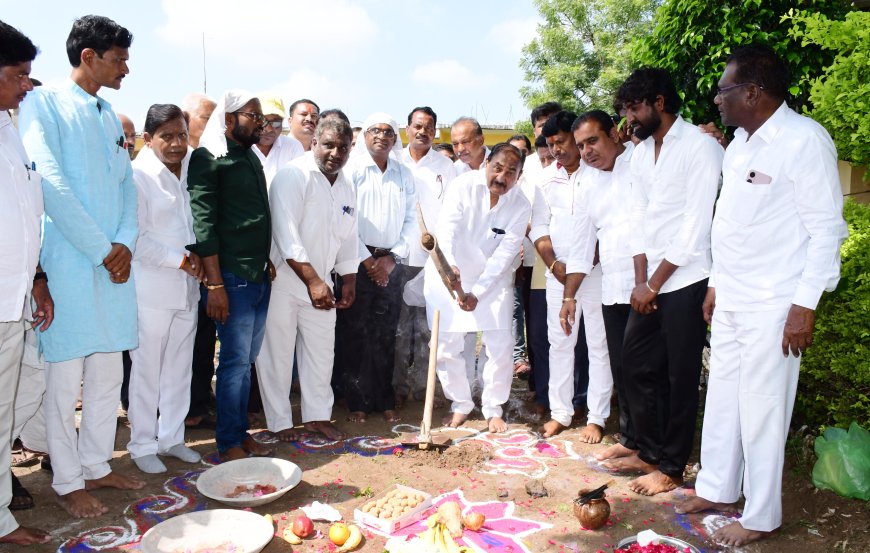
(292, 323)
(29, 413)
(561, 383)
(76, 458)
(750, 395)
(473, 362)
(11, 350)
(160, 380)
(496, 375)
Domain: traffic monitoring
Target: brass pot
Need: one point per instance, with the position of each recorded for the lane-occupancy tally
(594, 513)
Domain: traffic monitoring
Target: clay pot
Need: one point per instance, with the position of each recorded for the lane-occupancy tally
(594, 514)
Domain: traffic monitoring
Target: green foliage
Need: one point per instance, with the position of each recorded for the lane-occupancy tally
(834, 386)
(841, 95)
(693, 38)
(581, 54)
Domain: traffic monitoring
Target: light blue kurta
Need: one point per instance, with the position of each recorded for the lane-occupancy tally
(90, 202)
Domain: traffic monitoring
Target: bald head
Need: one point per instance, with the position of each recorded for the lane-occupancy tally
(129, 133)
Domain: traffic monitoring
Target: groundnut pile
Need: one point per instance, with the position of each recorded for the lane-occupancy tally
(393, 505)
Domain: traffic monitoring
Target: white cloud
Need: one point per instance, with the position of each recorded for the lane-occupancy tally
(268, 32)
(448, 73)
(307, 83)
(513, 34)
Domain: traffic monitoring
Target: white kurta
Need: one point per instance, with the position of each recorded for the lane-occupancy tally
(432, 175)
(462, 167)
(313, 222)
(284, 150)
(167, 303)
(775, 243)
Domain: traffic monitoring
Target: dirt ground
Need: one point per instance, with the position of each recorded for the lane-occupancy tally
(485, 468)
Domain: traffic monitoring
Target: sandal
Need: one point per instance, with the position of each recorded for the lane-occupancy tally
(21, 498)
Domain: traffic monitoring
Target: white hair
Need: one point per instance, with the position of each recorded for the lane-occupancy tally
(193, 100)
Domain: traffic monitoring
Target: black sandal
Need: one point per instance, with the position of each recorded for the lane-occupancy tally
(25, 500)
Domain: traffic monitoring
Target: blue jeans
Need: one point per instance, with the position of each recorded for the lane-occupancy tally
(240, 338)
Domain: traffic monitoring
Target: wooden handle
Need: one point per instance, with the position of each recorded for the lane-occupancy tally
(426, 424)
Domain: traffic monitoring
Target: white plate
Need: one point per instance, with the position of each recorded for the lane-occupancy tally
(219, 481)
(248, 531)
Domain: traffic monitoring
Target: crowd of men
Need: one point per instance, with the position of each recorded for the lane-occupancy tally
(599, 257)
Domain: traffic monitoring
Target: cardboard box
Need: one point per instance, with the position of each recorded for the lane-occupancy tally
(392, 525)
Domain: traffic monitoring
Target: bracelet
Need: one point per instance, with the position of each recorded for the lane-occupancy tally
(214, 286)
(40, 276)
(650, 288)
(566, 300)
(553, 264)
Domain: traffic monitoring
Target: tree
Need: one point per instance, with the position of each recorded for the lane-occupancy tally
(581, 54)
(693, 38)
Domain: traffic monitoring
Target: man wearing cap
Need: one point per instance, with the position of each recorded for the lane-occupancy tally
(230, 206)
(274, 149)
(366, 331)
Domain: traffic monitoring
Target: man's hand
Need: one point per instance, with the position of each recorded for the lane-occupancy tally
(118, 261)
(43, 313)
(643, 300)
(713, 130)
(709, 305)
(567, 315)
(218, 305)
(798, 333)
(375, 271)
(121, 277)
(193, 266)
(559, 269)
(469, 304)
(348, 291)
(320, 294)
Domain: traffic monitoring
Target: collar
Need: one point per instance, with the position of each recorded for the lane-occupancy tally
(677, 129)
(770, 128)
(5, 119)
(147, 162)
(73, 87)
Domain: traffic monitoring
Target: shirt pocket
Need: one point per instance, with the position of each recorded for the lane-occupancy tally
(750, 202)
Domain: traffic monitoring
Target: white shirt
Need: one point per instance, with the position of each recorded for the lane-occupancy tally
(165, 228)
(532, 173)
(386, 210)
(284, 150)
(431, 174)
(604, 215)
(462, 167)
(483, 243)
(313, 222)
(554, 209)
(672, 202)
(778, 243)
(20, 223)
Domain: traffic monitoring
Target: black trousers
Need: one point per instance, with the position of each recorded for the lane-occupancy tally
(365, 343)
(203, 362)
(663, 350)
(615, 321)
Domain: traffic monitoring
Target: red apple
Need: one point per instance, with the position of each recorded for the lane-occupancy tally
(302, 526)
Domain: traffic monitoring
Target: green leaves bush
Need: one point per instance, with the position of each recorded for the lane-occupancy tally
(834, 386)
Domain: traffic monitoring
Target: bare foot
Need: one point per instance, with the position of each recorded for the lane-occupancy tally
(255, 448)
(326, 428)
(614, 452)
(26, 536)
(356, 416)
(699, 504)
(287, 435)
(454, 420)
(551, 428)
(115, 480)
(400, 400)
(735, 535)
(497, 425)
(632, 463)
(654, 483)
(391, 416)
(539, 410)
(233, 454)
(591, 434)
(81, 504)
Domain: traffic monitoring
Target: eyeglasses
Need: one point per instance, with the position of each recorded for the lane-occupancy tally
(721, 91)
(275, 124)
(258, 118)
(386, 133)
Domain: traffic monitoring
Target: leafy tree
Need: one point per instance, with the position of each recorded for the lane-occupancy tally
(841, 96)
(693, 38)
(581, 54)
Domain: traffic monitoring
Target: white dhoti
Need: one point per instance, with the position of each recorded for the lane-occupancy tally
(751, 391)
(561, 384)
(160, 380)
(11, 350)
(76, 458)
(294, 324)
(496, 374)
(29, 413)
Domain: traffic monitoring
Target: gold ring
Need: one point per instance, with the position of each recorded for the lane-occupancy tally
(562, 319)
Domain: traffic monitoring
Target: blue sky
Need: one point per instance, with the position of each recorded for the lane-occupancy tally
(460, 57)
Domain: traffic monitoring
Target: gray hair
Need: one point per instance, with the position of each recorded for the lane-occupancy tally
(193, 100)
(478, 131)
(337, 125)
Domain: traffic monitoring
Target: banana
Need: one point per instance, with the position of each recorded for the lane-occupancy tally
(353, 540)
(269, 519)
(290, 537)
(450, 544)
